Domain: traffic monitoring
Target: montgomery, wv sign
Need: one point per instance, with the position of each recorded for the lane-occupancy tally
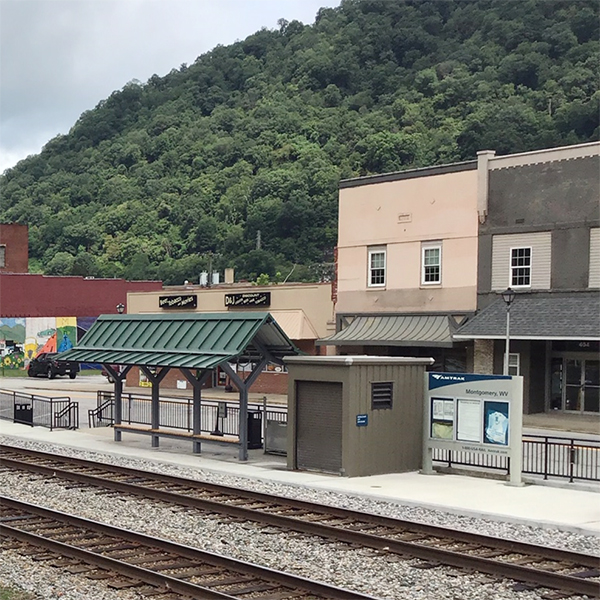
(189, 301)
(474, 413)
(248, 299)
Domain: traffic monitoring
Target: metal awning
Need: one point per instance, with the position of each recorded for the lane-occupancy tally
(193, 341)
(295, 324)
(532, 317)
(395, 330)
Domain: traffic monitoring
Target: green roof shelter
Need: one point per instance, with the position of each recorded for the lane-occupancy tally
(194, 343)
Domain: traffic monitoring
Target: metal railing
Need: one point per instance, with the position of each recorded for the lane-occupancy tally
(35, 410)
(546, 456)
(177, 413)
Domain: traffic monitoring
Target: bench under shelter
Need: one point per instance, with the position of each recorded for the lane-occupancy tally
(194, 343)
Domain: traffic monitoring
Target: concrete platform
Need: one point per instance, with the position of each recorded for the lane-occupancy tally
(569, 507)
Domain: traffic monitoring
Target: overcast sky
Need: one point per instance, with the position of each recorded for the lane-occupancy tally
(59, 58)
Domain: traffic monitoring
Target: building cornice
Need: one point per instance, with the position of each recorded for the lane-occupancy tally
(470, 165)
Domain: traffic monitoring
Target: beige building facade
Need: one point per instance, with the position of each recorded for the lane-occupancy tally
(303, 310)
(423, 256)
(407, 263)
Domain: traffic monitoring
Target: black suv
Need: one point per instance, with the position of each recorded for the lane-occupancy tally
(50, 365)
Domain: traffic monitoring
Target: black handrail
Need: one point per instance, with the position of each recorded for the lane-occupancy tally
(570, 458)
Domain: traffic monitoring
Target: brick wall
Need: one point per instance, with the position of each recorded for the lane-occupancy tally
(483, 357)
(15, 240)
(266, 383)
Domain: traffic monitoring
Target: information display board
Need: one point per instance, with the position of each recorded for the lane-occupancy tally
(470, 412)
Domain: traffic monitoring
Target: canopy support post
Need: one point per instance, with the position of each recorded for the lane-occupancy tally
(118, 379)
(155, 379)
(197, 382)
(243, 385)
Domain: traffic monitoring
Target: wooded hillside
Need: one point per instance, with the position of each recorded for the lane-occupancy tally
(162, 178)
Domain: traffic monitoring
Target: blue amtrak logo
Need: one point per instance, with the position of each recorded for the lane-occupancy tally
(448, 377)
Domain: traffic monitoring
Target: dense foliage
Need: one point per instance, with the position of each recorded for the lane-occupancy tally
(235, 160)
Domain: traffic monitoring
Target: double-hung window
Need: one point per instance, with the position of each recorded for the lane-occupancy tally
(2, 256)
(377, 266)
(431, 264)
(514, 363)
(520, 267)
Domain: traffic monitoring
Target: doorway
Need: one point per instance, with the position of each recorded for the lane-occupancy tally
(575, 384)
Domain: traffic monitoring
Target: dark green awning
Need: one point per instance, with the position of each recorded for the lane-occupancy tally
(190, 340)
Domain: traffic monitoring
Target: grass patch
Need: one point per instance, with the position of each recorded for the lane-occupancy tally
(12, 373)
(23, 373)
(86, 372)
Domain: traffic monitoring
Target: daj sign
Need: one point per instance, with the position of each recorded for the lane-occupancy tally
(248, 299)
(468, 412)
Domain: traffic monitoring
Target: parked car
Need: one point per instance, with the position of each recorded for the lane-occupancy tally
(50, 365)
(117, 368)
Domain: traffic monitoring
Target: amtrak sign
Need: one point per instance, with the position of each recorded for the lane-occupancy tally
(473, 413)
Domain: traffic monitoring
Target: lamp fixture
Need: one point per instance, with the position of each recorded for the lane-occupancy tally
(508, 295)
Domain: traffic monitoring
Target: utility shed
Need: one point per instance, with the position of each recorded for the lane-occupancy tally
(355, 415)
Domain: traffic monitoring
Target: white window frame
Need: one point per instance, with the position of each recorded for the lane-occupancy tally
(424, 249)
(514, 363)
(511, 269)
(371, 270)
(2, 255)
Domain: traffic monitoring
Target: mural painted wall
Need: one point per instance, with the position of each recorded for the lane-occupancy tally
(22, 339)
(40, 336)
(12, 342)
(66, 333)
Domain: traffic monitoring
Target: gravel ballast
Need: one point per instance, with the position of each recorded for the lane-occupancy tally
(364, 570)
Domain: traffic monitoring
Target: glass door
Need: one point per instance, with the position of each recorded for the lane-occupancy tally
(556, 381)
(575, 384)
(591, 386)
(573, 389)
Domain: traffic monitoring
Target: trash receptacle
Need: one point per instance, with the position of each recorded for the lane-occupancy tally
(254, 429)
(23, 414)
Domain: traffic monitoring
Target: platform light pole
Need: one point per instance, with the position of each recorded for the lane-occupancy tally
(508, 296)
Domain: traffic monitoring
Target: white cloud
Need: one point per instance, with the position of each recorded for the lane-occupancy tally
(59, 58)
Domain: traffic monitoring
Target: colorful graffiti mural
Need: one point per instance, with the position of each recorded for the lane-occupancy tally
(40, 333)
(12, 342)
(22, 339)
(66, 333)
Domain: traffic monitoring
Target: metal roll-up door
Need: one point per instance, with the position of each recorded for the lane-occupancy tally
(319, 426)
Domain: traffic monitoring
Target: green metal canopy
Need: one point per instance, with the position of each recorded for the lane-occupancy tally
(190, 340)
(395, 330)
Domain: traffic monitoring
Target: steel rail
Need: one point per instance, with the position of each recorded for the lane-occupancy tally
(240, 511)
(153, 577)
(449, 557)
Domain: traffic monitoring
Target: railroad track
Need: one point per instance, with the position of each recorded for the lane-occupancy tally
(567, 573)
(149, 566)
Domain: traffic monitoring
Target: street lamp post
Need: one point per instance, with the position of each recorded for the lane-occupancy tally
(120, 308)
(508, 296)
